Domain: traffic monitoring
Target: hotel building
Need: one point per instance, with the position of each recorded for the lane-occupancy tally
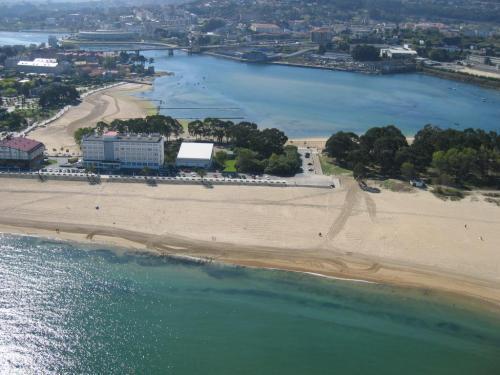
(123, 151)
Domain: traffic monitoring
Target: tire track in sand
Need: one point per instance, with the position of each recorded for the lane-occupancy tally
(352, 197)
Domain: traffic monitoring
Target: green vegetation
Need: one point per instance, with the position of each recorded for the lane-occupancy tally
(212, 24)
(446, 193)
(81, 132)
(396, 185)
(58, 95)
(257, 151)
(171, 150)
(329, 168)
(11, 122)
(451, 157)
(230, 166)
(164, 125)
(286, 164)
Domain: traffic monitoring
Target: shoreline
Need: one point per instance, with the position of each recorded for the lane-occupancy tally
(471, 297)
(308, 258)
(105, 104)
(489, 83)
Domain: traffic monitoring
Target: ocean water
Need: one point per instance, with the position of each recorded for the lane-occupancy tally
(65, 308)
(310, 102)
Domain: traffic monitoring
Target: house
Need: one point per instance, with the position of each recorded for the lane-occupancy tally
(195, 155)
(21, 152)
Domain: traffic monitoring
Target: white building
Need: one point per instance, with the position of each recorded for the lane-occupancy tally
(195, 155)
(397, 53)
(115, 151)
(41, 66)
(265, 28)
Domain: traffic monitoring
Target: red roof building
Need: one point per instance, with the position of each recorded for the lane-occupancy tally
(21, 151)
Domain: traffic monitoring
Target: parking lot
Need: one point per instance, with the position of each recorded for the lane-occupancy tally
(311, 174)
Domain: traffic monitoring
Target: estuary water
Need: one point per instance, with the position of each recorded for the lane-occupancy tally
(308, 102)
(66, 308)
(24, 38)
(312, 102)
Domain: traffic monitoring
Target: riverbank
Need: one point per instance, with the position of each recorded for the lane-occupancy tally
(490, 83)
(105, 105)
(405, 239)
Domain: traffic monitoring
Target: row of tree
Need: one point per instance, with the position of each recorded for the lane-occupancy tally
(11, 121)
(256, 150)
(456, 157)
(241, 135)
(164, 125)
(57, 95)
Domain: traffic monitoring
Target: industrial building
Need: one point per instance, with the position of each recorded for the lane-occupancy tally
(195, 155)
(21, 152)
(112, 151)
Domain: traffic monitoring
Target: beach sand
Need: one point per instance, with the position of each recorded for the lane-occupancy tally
(105, 105)
(408, 239)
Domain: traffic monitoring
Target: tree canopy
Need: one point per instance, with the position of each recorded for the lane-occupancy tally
(467, 156)
(57, 95)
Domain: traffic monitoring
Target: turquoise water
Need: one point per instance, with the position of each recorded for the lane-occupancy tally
(310, 102)
(69, 309)
(24, 38)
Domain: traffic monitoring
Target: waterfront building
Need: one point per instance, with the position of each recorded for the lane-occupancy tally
(123, 151)
(195, 155)
(21, 152)
(265, 28)
(42, 66)
(397, 53)
(322, 35)
(106, 35)
(483, 60)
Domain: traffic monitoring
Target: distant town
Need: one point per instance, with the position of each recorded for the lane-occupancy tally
(100, 48)
(457, 39)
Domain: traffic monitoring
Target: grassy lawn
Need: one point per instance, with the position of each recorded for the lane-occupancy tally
(331, 169)
(230, 166)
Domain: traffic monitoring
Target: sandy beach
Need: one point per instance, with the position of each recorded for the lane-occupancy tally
(409, 239)
(105, 105)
